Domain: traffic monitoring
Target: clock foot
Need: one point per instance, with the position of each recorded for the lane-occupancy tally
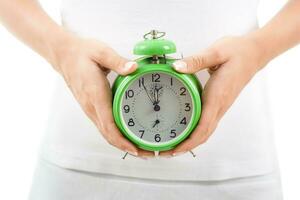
(193, 154)
(125, 155)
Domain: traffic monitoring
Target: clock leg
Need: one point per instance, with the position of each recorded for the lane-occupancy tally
(125, 155)
(193, 154)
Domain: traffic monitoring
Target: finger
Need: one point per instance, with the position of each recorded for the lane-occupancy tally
(204, 129)
(103, 108)
(209, 58)
(166, 154)
(113, 136)
(90, 111)
(108, 58)
(211, 70)
(199, 135)
(145, 154)
(112, 133)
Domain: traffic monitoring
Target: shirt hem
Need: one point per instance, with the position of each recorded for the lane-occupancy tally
(214, 171)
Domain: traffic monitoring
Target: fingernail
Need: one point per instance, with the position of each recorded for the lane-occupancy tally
(178, 153)
(132, 152)
(169, 156)
(179, 65)
(129, 65)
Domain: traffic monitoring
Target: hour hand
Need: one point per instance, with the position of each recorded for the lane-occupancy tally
(155, 123)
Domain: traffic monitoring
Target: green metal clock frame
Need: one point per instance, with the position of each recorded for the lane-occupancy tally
(155, 60)
(122, 83)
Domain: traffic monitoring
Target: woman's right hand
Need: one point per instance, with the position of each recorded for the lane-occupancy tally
(84, 64)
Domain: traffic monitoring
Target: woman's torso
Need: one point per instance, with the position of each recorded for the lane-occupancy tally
(242, 145)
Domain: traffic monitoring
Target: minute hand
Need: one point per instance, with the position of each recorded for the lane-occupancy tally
(148, 93)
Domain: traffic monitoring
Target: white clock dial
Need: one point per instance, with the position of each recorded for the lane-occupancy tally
(157, 107)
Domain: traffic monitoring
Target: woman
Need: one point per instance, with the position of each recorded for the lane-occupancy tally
(235, 156)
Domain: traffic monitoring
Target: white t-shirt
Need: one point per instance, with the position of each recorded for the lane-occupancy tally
(242, 144)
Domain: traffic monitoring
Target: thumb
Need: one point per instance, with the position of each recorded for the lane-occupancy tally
(108, 58)
(208, 58)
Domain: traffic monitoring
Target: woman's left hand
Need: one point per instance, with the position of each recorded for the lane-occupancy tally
(231, 62)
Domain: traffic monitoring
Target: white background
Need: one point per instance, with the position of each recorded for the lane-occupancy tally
(26, 84)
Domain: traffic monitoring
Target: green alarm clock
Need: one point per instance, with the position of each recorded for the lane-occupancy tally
(156, 107)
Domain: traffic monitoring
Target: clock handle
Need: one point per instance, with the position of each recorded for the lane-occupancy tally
(154, 34)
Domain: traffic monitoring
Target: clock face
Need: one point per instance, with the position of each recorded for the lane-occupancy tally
(157, 107)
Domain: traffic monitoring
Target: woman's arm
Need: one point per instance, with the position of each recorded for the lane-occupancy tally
(232, 62)
(28, 21)
(281, 33)
(84, 63)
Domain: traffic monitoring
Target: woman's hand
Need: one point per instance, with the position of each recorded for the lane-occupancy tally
(231, 62)
(84, 64)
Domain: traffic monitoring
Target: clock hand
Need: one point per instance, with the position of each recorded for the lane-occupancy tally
(155, 123)
(156, 90)
(156, 100)
(147, 93)
(155, 96)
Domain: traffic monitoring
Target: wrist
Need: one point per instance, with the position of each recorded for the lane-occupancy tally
(262, 48)
(57, 47)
